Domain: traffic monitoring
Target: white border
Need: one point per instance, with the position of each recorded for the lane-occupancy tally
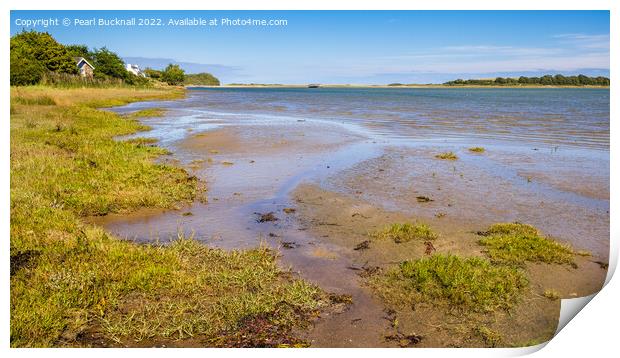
(591, 333)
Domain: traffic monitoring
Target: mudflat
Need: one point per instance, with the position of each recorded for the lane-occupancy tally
(325, 192)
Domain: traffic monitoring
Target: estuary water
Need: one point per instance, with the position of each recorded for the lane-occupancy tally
(546, 158)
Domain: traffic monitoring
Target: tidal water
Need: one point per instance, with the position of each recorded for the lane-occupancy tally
(553, 116)
(562, 116)
(545, 146)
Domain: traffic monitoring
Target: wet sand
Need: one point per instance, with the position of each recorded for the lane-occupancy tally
(342, 184)
(345, 221)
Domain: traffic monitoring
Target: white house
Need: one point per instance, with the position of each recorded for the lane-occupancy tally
(135, 70)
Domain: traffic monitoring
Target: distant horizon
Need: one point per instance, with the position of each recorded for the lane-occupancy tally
(194, 68)
(344, 47)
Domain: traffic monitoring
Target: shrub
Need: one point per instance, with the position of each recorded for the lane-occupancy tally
(151, 73)
(173, 75)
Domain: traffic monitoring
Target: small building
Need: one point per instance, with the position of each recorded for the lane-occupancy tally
(85, 68)
(135, 70)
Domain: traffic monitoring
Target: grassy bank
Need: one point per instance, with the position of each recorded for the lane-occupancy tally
(73, 284)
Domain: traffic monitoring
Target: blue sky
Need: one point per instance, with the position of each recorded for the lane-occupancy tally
(374, 47)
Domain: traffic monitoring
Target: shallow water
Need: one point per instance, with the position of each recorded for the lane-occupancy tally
(555, 116)
(567, 116)
(546, 163)
(552, 144)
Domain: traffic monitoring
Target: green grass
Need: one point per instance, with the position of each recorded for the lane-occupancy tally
(405, 232)
(141, 141)
(516, 243)
(468, 284)
(447, 156)
(37, 101)
(149, 112)
(490, 337)
(69, 278)
(477, 149)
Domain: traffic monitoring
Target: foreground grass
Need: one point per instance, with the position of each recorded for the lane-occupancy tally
(405, 232)
(466, 284)
(71, 281)
(516, 243)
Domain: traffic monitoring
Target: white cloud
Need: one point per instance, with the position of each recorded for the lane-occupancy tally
(569, 52)
(584, 40)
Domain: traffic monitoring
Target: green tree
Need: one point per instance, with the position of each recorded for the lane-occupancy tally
(560, 80)
(547, 80)
(25, 68)
(47, 51)
(173, 75)
(108, 65)
(80, 51)
(583, 80)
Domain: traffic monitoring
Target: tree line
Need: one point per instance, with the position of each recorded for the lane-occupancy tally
(547, 80)
(36, 57)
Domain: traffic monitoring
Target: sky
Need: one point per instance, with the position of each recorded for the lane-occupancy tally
(356, 47)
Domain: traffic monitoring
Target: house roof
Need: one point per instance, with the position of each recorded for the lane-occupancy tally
(79, 60)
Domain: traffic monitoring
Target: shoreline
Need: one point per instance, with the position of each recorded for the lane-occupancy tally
(434, 86)
(135, 295)
(323, 208)
(313, 239)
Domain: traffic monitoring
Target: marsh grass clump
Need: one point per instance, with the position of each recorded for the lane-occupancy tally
(447, 156)
(490, 337)
(509, 228)
(146, 113)
(477, 149)
(35, 101)
(468, 284)
(405, 232)
(142, 141)
(516, 243)
(551, 294)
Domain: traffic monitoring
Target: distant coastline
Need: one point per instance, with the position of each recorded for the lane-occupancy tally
(546, 81)
(257, 85)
